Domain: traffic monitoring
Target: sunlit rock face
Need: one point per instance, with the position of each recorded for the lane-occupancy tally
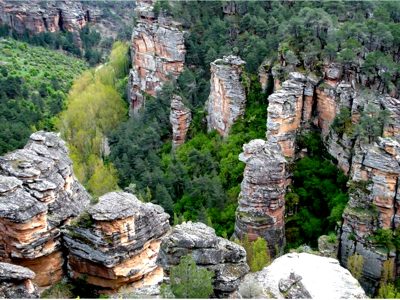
(180, 118)
(117, 242)
(38, 194)
(261, 201)
(16, 282)
(225, 258)
(227, 100)
(158, 54)
(301, 276)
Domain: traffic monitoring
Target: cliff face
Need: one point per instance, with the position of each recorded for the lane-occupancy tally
(261, 200)
(227, 100)
(117, 242)
(16, 282)
(226, 259)
(158, 54)
(180, 118)
(36, 16)
(38, 194)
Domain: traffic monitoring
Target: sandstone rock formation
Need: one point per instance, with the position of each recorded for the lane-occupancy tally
(116, 242)
(16, 282)
(227, 100)
(299, 276)
(261, 200)
(38, 194)
(180, 118)
(158, 54)
(226, 259)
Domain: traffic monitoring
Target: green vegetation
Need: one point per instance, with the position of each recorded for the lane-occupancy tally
(33, 87)
(61, 290)
(201, 179)
(317, 196)
(257, 253)
(95, 108)
(188, 281)
(355, 264)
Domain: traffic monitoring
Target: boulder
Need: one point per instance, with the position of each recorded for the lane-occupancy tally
(300, 276)
(226, 259)
(16, 282)
(117, 242)
(38, 194)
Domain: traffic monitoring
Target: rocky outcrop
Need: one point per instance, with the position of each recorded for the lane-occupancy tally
(158, 54)
(301, 276)
(38, 194)
(261, 201)
(328, 247)
(226, 259)
(116, 242)
(180, 118)
(16, 282)
(227, 100)
(43, 16)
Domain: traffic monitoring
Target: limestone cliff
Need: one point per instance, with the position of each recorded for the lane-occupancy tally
(117, 242)
(261, 200)
(180, 118)
(38, 194)
(226, 259)
(227, 100)
(16, 282)
(158, 54)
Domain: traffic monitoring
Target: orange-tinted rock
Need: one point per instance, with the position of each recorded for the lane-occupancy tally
(180, 118)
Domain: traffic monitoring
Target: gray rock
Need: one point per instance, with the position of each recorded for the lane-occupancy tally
(180, 118)
(15, 282)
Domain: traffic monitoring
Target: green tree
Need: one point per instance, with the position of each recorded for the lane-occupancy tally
(355, 264)
(190, 281)
(260, 257)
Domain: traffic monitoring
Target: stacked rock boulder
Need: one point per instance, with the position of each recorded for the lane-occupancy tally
(16, 282)
(227, 99)
(262, 197)
(116, 242)
(226, 259)
(38, 194)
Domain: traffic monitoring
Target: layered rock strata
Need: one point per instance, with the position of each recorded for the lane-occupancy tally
(16, 282)
(301, 276)
(116, 242)
(158, 54)
(226, 259)
(262, 197)
(227, 99)
(38, 194)
(180, 118)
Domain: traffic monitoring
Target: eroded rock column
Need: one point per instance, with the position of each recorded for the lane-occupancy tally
(227, 100)
(180, 118)
(262, 198)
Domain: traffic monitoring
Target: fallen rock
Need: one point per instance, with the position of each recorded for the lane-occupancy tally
(226, 259)
(227, 99)
(117, 242)
(16, 282)
(299, 276)
(38, 194)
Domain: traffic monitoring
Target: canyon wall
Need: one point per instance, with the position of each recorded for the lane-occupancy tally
(227, 99)
(38, 194)
(157, 51)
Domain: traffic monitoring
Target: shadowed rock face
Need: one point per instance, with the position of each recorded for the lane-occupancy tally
(38, 194)
(226, 259)
(16, 282)
(180, 118)
(261, 201)
(117, 242)
(227, 100)
(158, 54)
(301, 276)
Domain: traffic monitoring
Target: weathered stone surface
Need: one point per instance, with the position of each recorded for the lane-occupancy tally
(302, 275)
(158, 54)
(15, 282)
(261, 200)
(227, 99)
(327, 247)
(117, 242)
(180, 118)
(225, 258)
(38, 194)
